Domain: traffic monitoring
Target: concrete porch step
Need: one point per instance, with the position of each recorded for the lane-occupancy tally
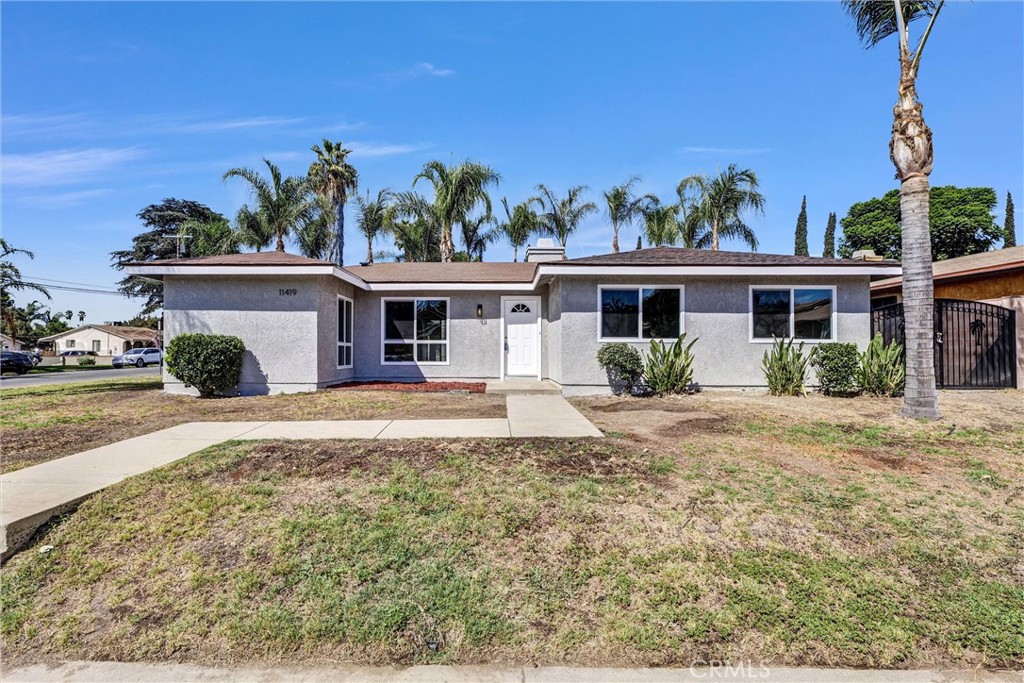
(523, 387)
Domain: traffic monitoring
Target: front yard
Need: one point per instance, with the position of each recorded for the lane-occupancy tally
(721, 526)
(46, 422)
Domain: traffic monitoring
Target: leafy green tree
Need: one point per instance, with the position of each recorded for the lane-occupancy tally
(210, 238)
(1009, 228)
(961, 223)
(284, 204)
(829, 250)
(458, 190)
(253, 229)
(416, 228)
(161, 239)
(316, 236)
(332, 178)
(800, 247)
(910, 149)
(476, 236)
(624, 206)
(374, 217)
(720, 202)
(661, 224)
(520, 222)
(562, 217)
(12, 281)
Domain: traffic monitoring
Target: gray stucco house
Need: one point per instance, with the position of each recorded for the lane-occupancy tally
(308, 324)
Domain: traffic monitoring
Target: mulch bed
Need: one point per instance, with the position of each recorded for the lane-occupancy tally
(380, 385)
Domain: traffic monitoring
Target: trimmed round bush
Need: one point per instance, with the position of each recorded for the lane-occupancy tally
(836, 365)
(623, 364)
(208, 362)
(86, 360)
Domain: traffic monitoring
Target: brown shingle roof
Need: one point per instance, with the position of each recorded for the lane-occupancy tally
(260, 258)
(677, 256)
(975, 265)
(411, 273)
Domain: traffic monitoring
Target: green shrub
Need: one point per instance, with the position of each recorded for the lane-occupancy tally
(836, 365)
(785, 369)
(882, 371)
(208, 362)
(623, 364)
(86, 360)
(669, 369)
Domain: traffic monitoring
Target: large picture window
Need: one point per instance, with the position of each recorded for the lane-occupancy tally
(415, 331)
(800, 313)
(638, 312)
(344, 332)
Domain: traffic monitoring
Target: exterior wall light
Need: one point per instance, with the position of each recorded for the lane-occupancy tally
(479, 310)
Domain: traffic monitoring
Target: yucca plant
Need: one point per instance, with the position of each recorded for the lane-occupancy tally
(785, 369)
(669, 368)
(882, 369)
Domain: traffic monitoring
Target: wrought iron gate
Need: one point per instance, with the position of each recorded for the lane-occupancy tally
(975, 343)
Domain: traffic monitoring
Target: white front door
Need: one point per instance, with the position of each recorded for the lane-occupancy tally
(522, 337)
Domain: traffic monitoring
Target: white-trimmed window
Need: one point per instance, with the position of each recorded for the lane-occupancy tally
(784, 312)
(69, 344)
(637, 312)
(414, 331)
(344, 333)
(96, 345)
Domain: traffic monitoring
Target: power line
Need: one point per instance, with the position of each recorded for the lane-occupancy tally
(81, 290)
(65, 282)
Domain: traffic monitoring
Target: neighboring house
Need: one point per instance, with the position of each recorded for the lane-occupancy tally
(308, 324)
(979, 342)
(105, 340)
(8, 343)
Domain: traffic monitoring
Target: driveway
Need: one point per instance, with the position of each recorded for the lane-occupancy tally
(33, 380)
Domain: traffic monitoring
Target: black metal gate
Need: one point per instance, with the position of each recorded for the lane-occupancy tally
(975, 343)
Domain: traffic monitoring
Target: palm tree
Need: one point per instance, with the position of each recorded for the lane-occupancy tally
(81, 317)
(374, 217)
(316, 237)
(719, 202)
(211, 238)
(520, 222)
(476, 238)
(661, 224)
(624, 207)
(561, 217)
(457, 191)
(333, 179)
(910, 149)
(253, 229)
(283, 204)
(416, 227)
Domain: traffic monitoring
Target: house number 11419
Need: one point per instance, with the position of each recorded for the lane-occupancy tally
(287, 292)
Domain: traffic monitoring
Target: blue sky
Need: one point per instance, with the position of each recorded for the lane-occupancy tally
(110, 107)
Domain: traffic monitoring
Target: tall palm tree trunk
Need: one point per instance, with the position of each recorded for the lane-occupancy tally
(339, 231)
(615, 237)
(912, 154)
(369, 250)
(714, 236)
(447, 246)
(280, 240)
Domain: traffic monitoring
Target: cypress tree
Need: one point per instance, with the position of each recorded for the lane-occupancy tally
(829, 251)
(800, 249)
(639, 242)
(1009, 229)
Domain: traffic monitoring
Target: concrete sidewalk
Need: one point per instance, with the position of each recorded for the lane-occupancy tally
(114, 672)
(30, 497)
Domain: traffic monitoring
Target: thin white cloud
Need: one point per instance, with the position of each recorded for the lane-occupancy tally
(47, 125)
(428, 69)
(735, 151)
(63, 199)
(64, 165)
(236, 124)
(372, 149)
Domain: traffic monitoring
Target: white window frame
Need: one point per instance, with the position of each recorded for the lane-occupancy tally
(415, 342)
(640, 314)
(792, 318)
(69, 343)
(352, 332)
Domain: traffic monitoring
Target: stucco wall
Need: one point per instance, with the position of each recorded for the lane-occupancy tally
(474, 349)
(716, 311)
(110, 344)
(327, 330)
(280, 330)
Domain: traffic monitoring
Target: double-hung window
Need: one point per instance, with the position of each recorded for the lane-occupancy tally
(344, 332)
(800, 313)
(637, 312)
(415, 331)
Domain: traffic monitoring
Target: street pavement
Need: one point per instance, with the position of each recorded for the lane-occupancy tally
(35, 380)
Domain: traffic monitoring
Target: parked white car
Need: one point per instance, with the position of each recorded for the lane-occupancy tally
(140, 358)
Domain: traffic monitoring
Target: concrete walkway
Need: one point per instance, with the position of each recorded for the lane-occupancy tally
(113, 672)
(31, 496)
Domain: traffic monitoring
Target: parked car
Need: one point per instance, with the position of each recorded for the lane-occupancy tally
(71, 353)
(140, 358)
(15, 361)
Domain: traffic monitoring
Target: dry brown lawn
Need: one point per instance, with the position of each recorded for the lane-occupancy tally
(723, 526)
(47, 422)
